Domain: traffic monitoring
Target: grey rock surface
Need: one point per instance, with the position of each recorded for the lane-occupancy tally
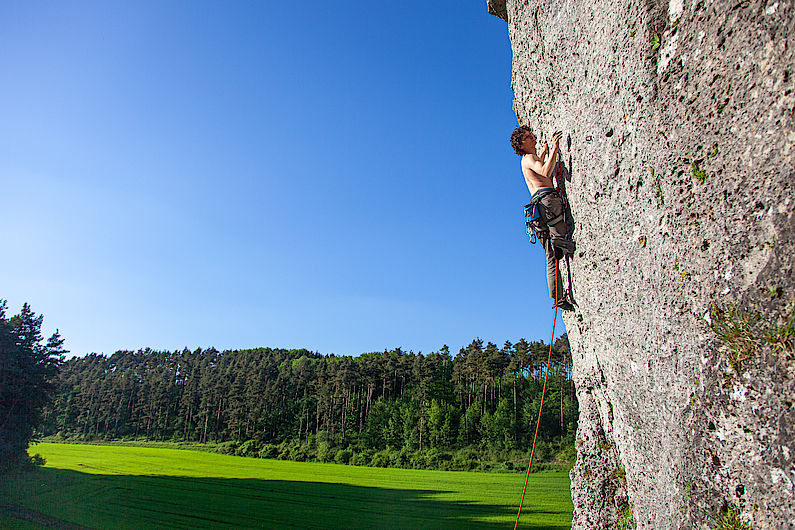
(679, 132)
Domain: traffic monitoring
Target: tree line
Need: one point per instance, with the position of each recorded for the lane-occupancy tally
(385, 408)
(302, 405)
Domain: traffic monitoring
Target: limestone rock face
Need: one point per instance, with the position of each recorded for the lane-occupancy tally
(678, 134)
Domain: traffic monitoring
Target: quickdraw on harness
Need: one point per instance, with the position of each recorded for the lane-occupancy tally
(537, 224)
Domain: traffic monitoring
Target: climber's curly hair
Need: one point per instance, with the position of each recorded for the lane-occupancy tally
(516, 138)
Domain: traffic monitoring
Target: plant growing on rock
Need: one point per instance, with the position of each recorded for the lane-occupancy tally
(729, 519)
(782, 336)
(737, 330)
(625, 513)
(699, 173)
(744, 333)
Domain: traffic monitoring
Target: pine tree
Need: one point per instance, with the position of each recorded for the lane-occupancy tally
(27, 368)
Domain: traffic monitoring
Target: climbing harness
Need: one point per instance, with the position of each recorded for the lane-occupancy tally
(541, 407)
(535, 216)
(537, 225)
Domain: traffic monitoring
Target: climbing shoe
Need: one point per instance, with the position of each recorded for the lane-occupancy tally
(564, 305)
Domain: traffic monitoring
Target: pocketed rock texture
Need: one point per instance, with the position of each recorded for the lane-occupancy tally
(678, 134)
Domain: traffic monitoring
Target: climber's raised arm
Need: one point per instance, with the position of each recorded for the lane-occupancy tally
(539, 166)
(549, 165)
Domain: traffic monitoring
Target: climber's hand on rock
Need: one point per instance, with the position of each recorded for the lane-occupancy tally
(556, 138)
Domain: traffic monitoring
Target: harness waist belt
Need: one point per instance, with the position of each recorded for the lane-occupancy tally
(543, 192)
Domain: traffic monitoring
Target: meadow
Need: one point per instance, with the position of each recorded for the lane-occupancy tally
(135, 487)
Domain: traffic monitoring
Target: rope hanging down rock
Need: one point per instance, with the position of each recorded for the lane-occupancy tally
(541, 407)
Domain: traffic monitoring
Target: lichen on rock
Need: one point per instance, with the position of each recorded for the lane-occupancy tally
(679, 124)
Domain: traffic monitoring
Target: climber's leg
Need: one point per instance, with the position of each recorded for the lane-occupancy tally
(553, 272)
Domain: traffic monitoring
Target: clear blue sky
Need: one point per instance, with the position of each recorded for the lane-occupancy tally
(335, 176)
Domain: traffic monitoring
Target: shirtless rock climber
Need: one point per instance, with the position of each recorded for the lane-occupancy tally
(537, 170)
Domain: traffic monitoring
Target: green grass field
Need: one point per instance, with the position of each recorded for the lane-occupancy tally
(139, 487)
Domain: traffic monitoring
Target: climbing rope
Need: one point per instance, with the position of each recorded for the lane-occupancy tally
(540, 408)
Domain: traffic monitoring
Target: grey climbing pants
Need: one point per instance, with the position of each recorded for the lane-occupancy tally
(555, 238)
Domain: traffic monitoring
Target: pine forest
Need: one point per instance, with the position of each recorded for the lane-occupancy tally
(474, 410)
